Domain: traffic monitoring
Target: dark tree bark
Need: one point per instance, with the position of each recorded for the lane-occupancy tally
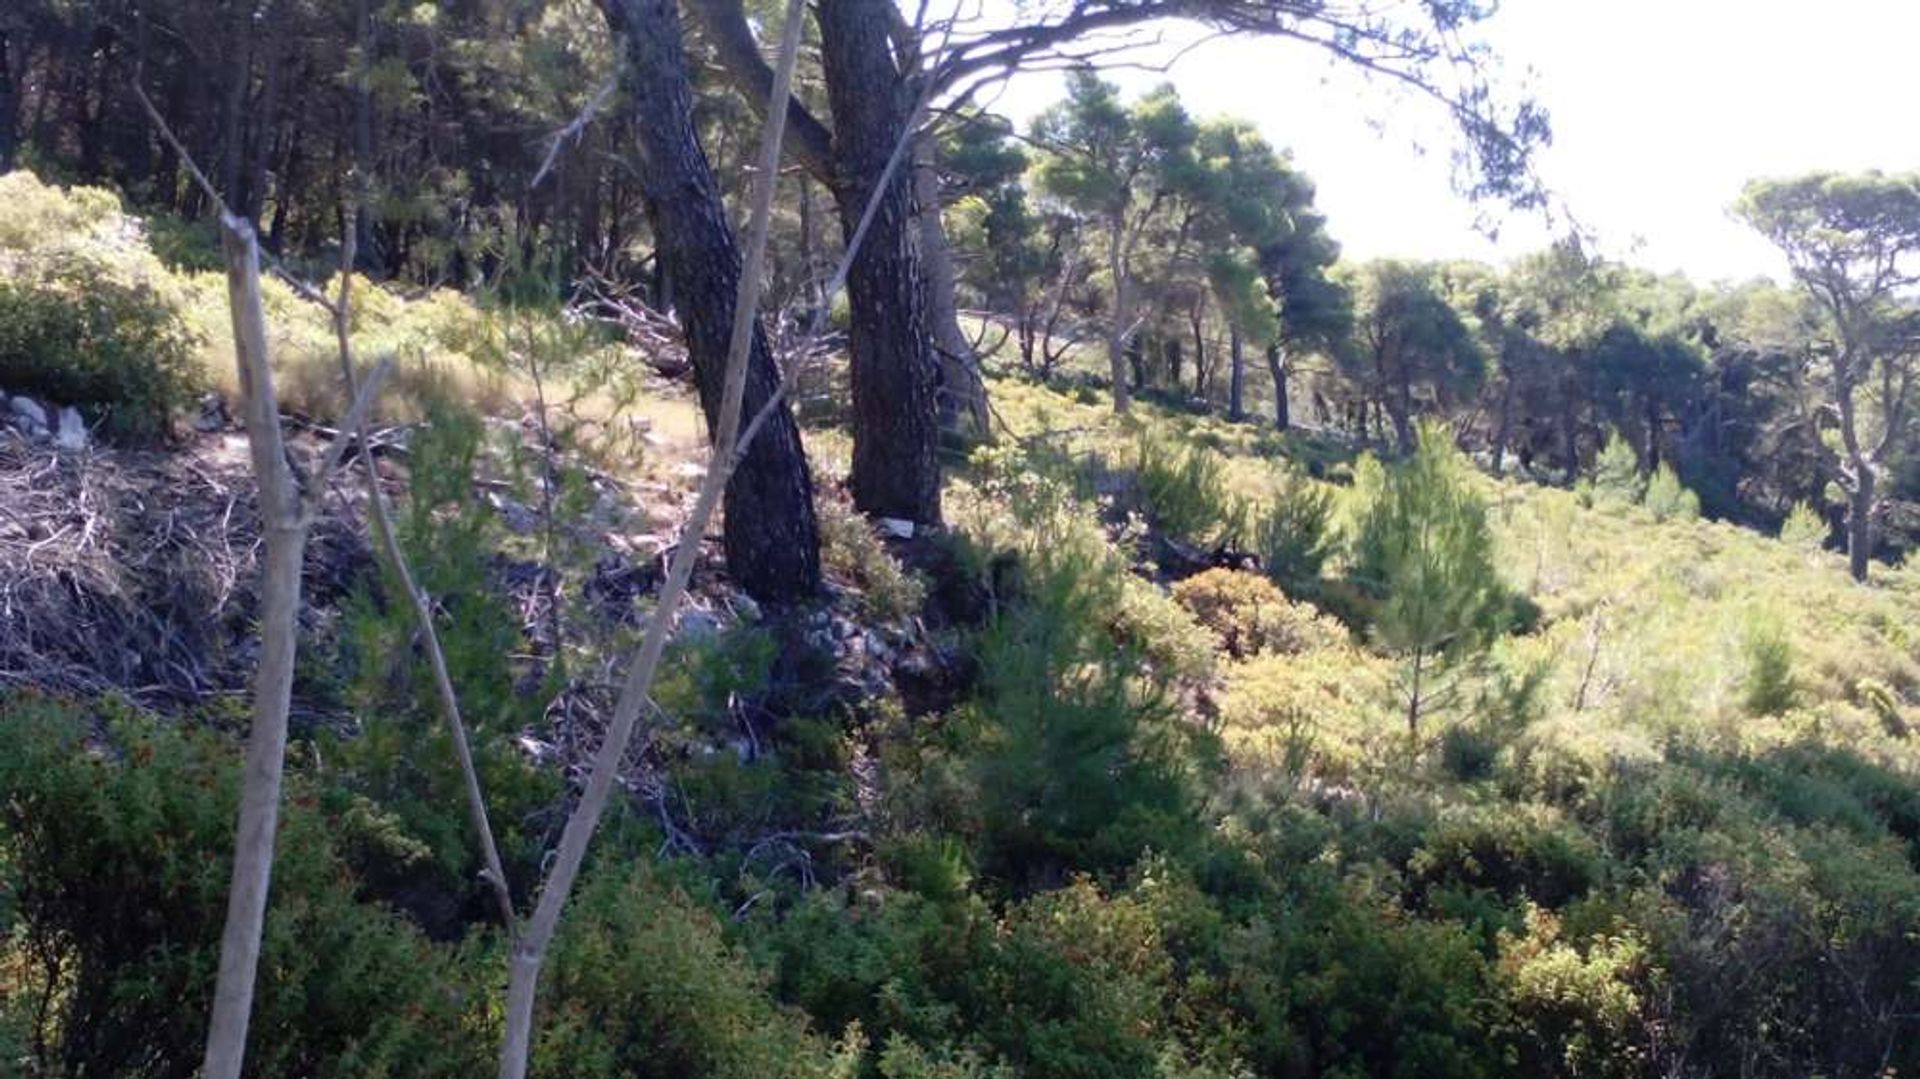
(9, 97)
(1570, 443)
(896, 376)
(233, 109)
(771, 537)
(1651, 458)
(366, 243)
(1503, 433)
(1282, 405)
(265, 129)
(963, 394)
(1237, 376)
(895, 379)
(1860, 506)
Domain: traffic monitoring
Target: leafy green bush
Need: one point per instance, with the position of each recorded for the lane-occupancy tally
(1770, 687)
(642, 983)
(1587, 1011)
(397, 756)
(1077, 758)
(1251, 616)
(1617, 481)
(1183, 489)
(1804, 528)
(1511, 853)
(1166, 636)
(116, 864)
(1668, 499)
(1294, 533)
(851, 550)
(76, 334)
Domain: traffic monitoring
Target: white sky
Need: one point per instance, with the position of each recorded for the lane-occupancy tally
(1662, 109)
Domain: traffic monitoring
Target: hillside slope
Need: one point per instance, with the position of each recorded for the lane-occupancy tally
(1118, 777)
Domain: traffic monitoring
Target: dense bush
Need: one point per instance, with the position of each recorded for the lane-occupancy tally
(1078, 759)
(643, 984)
(1667, 499)
(1617, 481)
(1294, 533)
(1183, 489)
(1251, 616)
(115, 834)
(76, 334)
(1804, 528)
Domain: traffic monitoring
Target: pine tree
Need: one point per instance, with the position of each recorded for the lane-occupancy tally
(1421, 548)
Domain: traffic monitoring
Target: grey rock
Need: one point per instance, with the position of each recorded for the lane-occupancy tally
(213, 414)
(518, 517)
(72, 435)
(698, 625)
(27, 413)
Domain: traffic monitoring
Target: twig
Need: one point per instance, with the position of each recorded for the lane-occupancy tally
(574, 128)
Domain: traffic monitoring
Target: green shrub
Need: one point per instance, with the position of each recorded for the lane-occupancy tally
(398, 753)
(1073, 982)
(1166, 636)
(904, 1059)
(77, 334)
(1617, 481)
(1336, 985)
(1294, 534)
(1511, 852)
(116, 854)
(37, 215)
(1770, 688)
(1586, 1011)
(1804, 529)
(1077, 758)
(1668, 499)
(851, 550)
(1315, 713)
(642, 983)
(1251, 616)
(1183, 489)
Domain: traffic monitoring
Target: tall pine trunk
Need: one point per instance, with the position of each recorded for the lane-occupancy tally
(896, 472)
(1860, 523)
(1237, 375)
(771, 537)
(9, 99)
(1503, 433)
(963, 394)
(1117, 332)
(1282, 404)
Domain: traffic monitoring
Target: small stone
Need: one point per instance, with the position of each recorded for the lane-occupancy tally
(28, 414)
(745, 607)
(519, 518)
(896, 527)
(213, 414)
(72, 436)
(698, 625)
